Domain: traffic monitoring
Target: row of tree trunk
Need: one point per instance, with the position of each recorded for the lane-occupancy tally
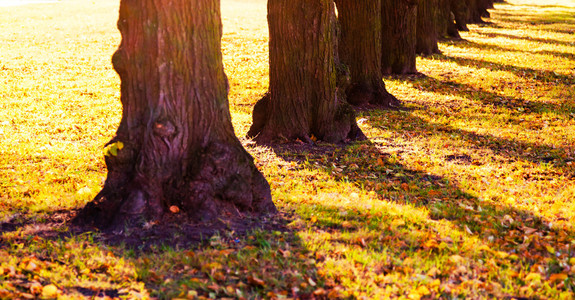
(175, 151)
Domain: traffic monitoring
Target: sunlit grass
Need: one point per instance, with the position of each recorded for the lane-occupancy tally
(468, 193)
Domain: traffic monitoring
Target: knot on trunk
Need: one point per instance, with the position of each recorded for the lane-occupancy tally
(164, 128)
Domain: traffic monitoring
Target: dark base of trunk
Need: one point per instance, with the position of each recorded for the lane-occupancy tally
(400, 71)
(224, 184)
(363, 96)
(429, 50)
(343, 128)
(462, 27)
(452, 32)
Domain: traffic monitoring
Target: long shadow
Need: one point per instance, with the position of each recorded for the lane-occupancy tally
(537, 75)
(535, 39)
(467, 91)
(369, 167)
(538, 20)
(466, 44)
(510, 150)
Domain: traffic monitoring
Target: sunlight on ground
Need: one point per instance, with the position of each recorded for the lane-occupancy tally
(468, 193)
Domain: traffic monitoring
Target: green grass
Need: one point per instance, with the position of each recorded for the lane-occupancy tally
(468, 194)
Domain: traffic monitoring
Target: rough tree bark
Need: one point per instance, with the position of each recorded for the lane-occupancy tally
(303, 99)
(360, 49)
(175, 145)
(427, 27)
(399, 23)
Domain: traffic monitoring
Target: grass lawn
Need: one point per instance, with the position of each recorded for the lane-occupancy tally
(468, 193)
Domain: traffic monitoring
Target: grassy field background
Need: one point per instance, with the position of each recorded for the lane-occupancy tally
(467, 194)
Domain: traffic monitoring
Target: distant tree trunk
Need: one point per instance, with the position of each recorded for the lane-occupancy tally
(427, 27)
(483, 6)
(474, 12)
(445, 20)
(360, 49)
(460, 13)
(303, 98)
(399, 24)
(175, 146)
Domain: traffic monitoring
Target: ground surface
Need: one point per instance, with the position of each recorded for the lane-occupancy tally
(467, 193)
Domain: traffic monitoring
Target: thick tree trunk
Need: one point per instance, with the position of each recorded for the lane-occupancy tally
(427, 27)
(399, 23)
(360, 49)
(303, 100)
(175, 146)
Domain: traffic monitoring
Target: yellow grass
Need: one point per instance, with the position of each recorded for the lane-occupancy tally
(469, 193)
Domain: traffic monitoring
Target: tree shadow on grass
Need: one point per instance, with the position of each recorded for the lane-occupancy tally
(383, 239)
(507, 150)
(563, 19)
(168, 260)
(534, 39)
(536, 75)
(517, 106)
(466, 44)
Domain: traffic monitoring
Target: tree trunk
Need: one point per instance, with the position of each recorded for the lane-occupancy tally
(399, 23)
(445, 20)
(460, 13)
(474, 12)
(483, 6)
(427, 27)
(303, 100)
(360, 49)
(175, 148)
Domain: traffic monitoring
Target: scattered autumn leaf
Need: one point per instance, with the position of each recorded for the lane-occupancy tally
(558, 277)
(253, 280)
(49, 291)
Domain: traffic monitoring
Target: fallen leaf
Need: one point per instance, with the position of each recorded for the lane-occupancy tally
(423, 290)
(253, 280)
(50, 291)
(533, 277)
(430, 244)
(456, 259)
(529, 230)
(484, 248)
(558, 277)
(227, 252)
(405, 186)
(311, 282)
(285, 253)
(398, 222)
